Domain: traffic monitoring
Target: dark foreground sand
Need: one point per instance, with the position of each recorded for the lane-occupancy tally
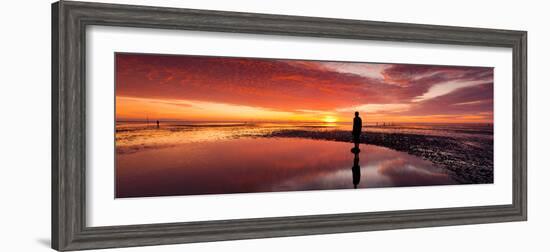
(467, 160)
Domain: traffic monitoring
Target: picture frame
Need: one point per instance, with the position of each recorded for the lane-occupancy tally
(69, 22)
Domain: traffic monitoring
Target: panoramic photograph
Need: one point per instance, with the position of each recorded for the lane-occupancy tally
(198, 125)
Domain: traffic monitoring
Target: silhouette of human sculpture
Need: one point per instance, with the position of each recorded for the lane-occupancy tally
(356, 132)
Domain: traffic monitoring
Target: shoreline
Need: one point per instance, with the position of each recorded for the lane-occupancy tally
(467, 160)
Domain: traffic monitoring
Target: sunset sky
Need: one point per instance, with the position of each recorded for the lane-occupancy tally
(196, 88)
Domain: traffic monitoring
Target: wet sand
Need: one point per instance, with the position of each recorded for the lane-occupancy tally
(468, 160)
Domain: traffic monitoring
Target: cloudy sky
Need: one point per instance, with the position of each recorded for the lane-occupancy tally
(197, 88)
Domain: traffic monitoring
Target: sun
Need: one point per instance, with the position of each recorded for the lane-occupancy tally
(330, 119)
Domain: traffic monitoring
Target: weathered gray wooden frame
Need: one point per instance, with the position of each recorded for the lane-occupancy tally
(69, 20)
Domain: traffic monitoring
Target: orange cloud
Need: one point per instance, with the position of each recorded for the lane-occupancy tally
(285, 89)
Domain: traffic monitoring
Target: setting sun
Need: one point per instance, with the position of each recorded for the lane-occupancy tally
(330, 119)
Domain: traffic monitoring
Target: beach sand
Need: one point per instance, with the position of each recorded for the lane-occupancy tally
(465, 152)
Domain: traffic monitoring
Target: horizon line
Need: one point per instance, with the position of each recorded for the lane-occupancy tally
(253, 121)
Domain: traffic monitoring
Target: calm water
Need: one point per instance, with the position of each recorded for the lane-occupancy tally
(194, 159)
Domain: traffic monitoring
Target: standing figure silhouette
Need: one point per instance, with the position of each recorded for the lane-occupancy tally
(356, 132)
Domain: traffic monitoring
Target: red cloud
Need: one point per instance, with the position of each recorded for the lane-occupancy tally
(281, 84)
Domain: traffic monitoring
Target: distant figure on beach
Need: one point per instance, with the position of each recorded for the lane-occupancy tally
(356, 132)
(158, 124)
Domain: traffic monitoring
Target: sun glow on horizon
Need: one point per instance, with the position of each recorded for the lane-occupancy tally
(133, 108)
(330, 119)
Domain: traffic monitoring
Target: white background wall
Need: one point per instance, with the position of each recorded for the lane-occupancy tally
(25, 126)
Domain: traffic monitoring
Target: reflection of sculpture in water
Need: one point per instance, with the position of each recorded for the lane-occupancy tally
(356, 133)
(356, 169)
